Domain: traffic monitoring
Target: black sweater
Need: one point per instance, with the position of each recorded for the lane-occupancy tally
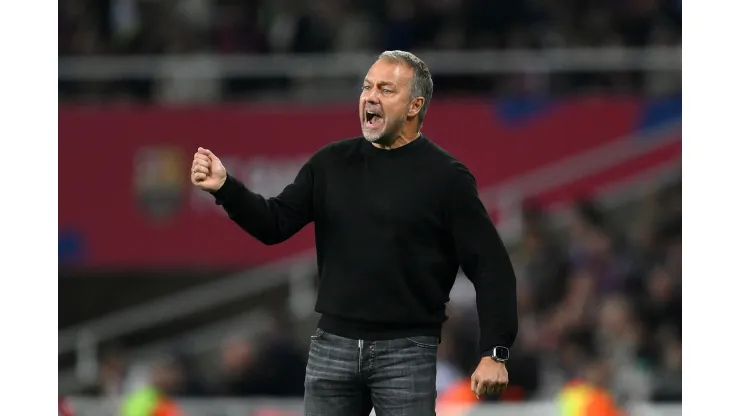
(392, 228)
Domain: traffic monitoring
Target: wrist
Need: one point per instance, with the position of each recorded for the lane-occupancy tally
(498, 354)
(221, 189)
(492, 360)
(221, 185)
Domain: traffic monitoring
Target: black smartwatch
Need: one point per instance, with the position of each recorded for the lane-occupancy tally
(500, 354)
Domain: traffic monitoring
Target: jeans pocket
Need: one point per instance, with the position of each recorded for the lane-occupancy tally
(317, 335)
(424, 341)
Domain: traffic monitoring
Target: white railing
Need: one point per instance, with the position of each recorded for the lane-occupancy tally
(237, 407)
(204, 66)
(187, 302)
(197, 341)
(84, 339)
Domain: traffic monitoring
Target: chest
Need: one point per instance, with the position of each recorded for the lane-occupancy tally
(404, 196)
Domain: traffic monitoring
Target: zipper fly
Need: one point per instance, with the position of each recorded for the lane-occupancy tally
(359, 356)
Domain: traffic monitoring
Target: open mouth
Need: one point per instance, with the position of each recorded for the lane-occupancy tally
(373, 119)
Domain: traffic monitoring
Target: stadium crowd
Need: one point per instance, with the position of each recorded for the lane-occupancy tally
(601, 296)
(260, 26)
(195, 27)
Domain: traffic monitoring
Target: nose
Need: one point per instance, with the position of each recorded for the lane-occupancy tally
(372, 96)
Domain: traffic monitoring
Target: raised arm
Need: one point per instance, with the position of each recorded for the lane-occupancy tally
(269, 220)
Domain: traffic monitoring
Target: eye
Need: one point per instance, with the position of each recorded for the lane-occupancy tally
(386, 91)
(365, 87)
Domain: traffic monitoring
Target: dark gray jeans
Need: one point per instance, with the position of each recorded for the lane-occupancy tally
(348, 377)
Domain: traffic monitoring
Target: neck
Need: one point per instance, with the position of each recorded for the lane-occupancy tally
(404, 138)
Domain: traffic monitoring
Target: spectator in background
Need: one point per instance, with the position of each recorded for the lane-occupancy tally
(279, 367)
(587, 395)
(545, 267)
(236, 359)
(660, 305)
(64, 408)
(193, 384)
(111, 384)
(154, 399)
(275, 367)
(619, 338)
(669, 372)
(401, 27)
(565, 362)
(282, 19)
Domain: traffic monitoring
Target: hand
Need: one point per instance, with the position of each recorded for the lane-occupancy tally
(207, 172)
(489, 378)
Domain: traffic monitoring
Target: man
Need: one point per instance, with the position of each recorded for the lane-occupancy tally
(587, 395)
(154, 399)
(64, 408)
(395, 217)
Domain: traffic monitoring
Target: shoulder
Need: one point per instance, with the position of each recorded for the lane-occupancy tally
(336, 150)
(450, 166)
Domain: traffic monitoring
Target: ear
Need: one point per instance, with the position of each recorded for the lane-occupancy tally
(415, 106)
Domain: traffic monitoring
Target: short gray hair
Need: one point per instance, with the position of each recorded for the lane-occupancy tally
(421, 84)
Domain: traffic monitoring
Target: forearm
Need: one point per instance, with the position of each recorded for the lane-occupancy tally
(495, 287)
(484, 259)
(269, 220)
(249, 210)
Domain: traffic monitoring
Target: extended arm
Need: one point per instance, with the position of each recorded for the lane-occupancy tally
(485, 261)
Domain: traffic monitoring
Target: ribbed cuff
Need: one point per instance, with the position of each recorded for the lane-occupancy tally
(226, 191)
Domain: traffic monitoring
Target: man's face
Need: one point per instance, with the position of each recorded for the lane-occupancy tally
(384, 102)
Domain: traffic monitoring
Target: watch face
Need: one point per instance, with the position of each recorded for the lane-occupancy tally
(501, 353)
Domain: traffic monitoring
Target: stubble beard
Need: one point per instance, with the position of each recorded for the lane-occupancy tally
(389, 129)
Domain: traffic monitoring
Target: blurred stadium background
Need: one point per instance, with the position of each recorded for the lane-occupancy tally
(567, 111)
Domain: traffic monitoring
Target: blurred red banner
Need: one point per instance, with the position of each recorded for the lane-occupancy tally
(125, 197)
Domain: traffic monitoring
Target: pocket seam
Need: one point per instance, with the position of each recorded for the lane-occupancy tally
(421, 344)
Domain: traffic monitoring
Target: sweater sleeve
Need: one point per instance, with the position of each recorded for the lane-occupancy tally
(484, 260)
(270, 220)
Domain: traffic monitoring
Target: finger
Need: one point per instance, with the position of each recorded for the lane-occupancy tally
(211, 156)
(493, 389)
(201, 156)
(199, 177)
(501, 386)
(205, 152)
(202, 162)
(200, 169)
(481, 388)
(473, 383)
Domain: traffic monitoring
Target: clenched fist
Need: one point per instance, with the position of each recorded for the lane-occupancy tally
(489, 378)
(207, 172)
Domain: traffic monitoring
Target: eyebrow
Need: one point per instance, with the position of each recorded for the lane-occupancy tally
(367, 81)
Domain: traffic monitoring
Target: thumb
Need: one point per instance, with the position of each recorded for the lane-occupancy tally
(474, 384)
